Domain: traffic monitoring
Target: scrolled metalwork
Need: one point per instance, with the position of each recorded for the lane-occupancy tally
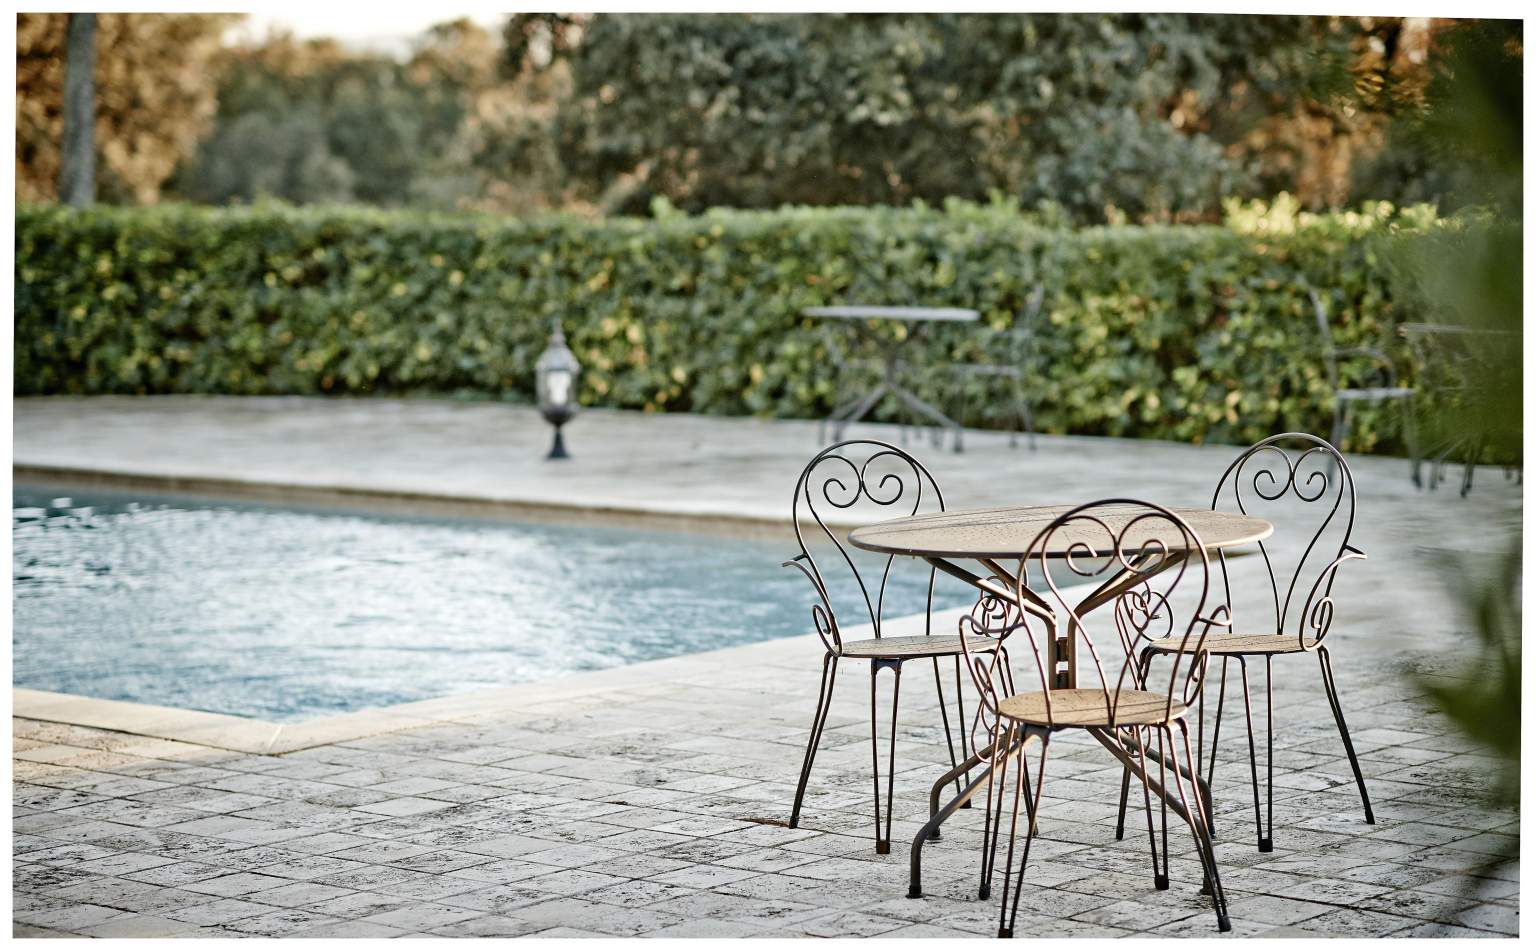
(983, 631)
(1141, 555)
(1286, 469)
(1317, 612)
(1310, 472)
(1142, 552)
(1139, 552)
(839, 477)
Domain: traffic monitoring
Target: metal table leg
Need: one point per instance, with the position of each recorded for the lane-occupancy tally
(980, 760)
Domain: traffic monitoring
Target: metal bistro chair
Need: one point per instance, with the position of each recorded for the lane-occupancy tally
(1315, 477)
(1014, 350)
(885, 477)
(1384, 373)
(1141, 563)
(1453, 360)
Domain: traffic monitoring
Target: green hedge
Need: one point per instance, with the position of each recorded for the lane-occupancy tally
(1200, 333)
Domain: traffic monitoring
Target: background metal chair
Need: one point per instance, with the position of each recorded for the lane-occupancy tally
(1294, 613)
(1012, 353)
(1382, 373)
(1452, 361)
(877, 475)
(1138, 567)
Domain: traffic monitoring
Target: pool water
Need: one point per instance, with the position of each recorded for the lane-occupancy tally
(290, 613)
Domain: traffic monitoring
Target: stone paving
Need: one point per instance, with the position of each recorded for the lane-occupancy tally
(651, 800)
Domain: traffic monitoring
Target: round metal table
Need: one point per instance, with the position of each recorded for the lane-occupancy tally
(990, 537)
(1008, 531)
(894, 368)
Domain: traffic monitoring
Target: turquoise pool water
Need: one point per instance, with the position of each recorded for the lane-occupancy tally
(290, 613)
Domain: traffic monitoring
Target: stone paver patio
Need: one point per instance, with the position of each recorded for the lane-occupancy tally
(650, 800)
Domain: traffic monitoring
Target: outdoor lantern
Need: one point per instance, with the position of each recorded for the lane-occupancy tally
(555, 380)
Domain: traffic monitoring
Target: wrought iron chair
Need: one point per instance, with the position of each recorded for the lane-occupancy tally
(1014, 352)
(1383, 373)
(1138, 566)
(1318, 479)
(886, 478)
(1452, 360)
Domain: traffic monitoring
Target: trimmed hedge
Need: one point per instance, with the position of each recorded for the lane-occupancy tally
(1194, 333)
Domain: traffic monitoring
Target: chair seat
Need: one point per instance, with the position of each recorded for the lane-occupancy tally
(1377, 393)
(920, 645)
(1088, 707)
(1230, 643)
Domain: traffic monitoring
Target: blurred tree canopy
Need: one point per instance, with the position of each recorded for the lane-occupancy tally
(311, 121)
(1147, 116)
(1094, 117)
(154, 100)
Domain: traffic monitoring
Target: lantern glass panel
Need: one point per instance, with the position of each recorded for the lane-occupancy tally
(557, 387)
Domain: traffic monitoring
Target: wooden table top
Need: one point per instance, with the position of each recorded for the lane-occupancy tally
(857, 312)
(1008, 531)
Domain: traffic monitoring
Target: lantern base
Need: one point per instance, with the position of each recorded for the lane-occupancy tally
(557, 451)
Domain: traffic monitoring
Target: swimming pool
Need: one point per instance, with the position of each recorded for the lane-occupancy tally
(288, 613)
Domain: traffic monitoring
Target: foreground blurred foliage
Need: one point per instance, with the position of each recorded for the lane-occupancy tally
(1194, 333)
(1471, 125)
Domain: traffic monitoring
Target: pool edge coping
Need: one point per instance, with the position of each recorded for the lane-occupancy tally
(410, 501)
(264, 737)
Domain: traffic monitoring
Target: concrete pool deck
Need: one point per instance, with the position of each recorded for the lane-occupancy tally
(649, 800)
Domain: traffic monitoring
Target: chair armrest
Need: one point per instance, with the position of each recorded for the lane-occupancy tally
(1317, 614)
(821, 614)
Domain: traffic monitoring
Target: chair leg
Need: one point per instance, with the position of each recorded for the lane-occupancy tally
(1196, 813)
(1338, 716)
(1009, 912)
(1028, 413)
(1159, 875)
(823, 707)
(1002, 748)
(1210, 770)
(1340, 423)
(965, 403)
(1125, 795)
(1144, 666)
(883, 833)
(1269, 748)
(1266, 841)
(1474, 453)
(1411, 437)
(949, 737)
(965, 738)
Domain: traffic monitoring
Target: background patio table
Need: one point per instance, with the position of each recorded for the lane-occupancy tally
(892, 366)
(991, 536)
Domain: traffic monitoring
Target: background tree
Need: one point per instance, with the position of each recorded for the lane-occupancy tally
(1100, 117)
(313, 121)
(154, 99)
(77, 177)
(1146, 116)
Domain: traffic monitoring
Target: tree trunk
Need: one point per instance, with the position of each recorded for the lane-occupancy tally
(77, 174)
